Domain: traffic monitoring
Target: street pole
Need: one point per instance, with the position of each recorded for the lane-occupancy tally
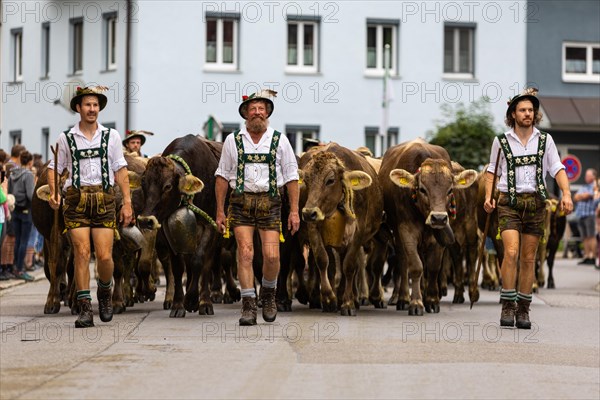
(385, 117)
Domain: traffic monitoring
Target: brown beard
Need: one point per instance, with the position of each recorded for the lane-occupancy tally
(257, 125)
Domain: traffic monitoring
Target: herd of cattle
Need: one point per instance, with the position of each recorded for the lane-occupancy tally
(414, 209)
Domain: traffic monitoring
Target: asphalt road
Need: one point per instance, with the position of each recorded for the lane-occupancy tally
(458, 353)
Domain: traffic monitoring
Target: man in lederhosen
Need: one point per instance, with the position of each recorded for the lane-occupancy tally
(93, 155)
(257, 161)
(527, 156)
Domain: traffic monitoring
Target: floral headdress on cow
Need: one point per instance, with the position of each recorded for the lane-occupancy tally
(264, 95)
(89, 91)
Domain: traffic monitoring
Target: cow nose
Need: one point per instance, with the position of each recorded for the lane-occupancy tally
(310, 214)
(438, 219)
(148, 222)
(144, 223)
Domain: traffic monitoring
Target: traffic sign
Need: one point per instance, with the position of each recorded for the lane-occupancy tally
(572, 167)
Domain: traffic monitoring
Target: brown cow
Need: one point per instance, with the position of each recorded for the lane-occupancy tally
(342, 207)
(418, 182)
(187, 239)
(464, 226)
(58, 260)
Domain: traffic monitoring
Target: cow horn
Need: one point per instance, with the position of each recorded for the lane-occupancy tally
(43, 193)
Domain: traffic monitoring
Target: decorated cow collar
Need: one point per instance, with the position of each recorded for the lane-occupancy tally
(187, 199)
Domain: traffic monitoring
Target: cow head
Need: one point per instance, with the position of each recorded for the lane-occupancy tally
(432, 187)
(43, 192)
(164, 184)
(329, 187)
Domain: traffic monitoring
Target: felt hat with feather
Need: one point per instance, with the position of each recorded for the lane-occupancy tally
(528, 94)
(264, 95)
(136, 134)
(89, 91)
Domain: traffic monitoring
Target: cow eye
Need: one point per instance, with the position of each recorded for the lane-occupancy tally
(167, 187)
(449, 192)
(422, 190)
(329, 181)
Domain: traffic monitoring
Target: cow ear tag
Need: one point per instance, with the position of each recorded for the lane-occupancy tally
(354, 181)
(463, 181)
(404, 181)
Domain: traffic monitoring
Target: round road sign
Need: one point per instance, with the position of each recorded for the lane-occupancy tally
(572, 167)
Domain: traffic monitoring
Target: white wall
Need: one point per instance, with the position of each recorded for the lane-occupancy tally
(29, 105)
(173, 97)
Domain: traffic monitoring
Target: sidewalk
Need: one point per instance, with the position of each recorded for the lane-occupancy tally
(37, 274)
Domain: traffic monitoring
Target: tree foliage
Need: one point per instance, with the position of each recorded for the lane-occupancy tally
(467, 133)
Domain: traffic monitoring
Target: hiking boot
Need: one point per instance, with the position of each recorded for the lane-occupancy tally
(105, 308)
(3, 276)
(249, 310)
(86, 315)
(269, 306)
(507, 317)
(523, 314)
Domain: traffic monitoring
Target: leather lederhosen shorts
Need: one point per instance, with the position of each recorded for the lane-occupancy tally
(526, 217)
(89, 206)
(255, 209)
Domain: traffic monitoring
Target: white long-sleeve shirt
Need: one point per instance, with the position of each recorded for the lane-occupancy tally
(525, 179)
(257, 174)
(90, 168)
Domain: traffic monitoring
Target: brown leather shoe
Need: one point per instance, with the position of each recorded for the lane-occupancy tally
(523, 314)
(507, 317)
(105, 308)
(86, 315)
(249, 310)
(269, 306)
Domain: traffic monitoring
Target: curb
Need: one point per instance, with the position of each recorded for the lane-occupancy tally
(38, 275)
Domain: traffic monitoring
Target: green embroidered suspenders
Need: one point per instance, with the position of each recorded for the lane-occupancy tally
(520, 161)
(100, 152)
(265, 158)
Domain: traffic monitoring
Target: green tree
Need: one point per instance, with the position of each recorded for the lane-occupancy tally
(466, 132)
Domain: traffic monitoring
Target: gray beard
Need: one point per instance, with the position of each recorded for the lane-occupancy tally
(257, 125)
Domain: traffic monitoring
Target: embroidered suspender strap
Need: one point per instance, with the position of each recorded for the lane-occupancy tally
(272, 166)
(99, 152)
(188, 198)
(264, 158)
(104, 159)
(520, 161)
(539, 171)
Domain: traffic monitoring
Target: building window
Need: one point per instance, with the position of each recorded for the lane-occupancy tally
(392, 137)
(76, 45)
(228, 129)
(379, 34)
(378, 144)
(581, 62)
(298, 134)
(17, 43)
(45, 50)
(302, 45)
(221, 41)
(459, 50)
(15, 137)
(110, 24)
(45, 142)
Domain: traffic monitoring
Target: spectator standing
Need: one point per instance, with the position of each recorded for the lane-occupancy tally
(585, 211)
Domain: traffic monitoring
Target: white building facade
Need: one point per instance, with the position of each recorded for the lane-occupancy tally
(191, 59)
